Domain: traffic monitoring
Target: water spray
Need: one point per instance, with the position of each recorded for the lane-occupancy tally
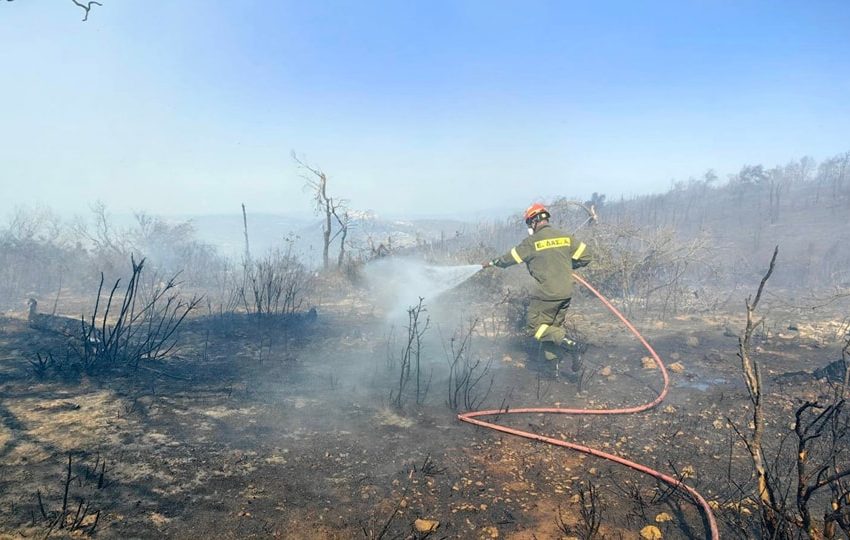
(399, 282)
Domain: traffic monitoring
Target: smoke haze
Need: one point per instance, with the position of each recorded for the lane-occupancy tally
(398, 283)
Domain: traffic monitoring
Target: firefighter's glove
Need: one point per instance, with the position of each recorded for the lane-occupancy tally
(488, 264)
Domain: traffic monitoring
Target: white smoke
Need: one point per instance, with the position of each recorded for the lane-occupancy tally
(398, 283)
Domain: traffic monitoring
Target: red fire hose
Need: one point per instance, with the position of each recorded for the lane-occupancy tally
(472, 417)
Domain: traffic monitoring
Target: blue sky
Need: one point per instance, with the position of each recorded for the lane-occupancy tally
(412, 108)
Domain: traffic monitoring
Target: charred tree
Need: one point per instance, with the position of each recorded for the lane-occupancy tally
(317, 182)
(767, 495)
(344, 220)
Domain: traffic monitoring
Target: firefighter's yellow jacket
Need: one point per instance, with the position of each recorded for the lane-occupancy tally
(550, 255)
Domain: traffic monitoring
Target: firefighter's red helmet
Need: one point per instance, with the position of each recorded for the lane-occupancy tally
(535, 212)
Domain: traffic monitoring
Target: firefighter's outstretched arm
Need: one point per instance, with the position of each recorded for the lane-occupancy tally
(581, 255)
(516, 255)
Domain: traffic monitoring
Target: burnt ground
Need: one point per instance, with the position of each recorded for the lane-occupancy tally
(274, 432)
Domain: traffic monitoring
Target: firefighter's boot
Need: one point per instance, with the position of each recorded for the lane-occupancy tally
(574, 349)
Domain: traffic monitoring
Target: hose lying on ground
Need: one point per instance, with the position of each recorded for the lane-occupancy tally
(472, 417)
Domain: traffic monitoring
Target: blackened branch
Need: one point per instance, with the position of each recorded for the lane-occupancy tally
(86, 7)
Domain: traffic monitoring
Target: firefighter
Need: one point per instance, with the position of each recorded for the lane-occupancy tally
(550, 255)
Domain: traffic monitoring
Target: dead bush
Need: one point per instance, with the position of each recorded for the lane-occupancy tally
(466, 371)
(803, 490)
(274, 285)
(135, 326)
(649, 270)
(81, 507)
(409, 362)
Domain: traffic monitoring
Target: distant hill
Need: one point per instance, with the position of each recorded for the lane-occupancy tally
(802, 208)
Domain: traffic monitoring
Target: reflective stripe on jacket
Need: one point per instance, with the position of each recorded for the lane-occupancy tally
(550, 255)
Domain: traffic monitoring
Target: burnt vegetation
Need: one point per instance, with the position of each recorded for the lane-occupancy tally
(263, 394)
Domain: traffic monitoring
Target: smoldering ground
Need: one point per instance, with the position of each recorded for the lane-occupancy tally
(270, 422)
(297, 431)
(257, 425)
(259, 428)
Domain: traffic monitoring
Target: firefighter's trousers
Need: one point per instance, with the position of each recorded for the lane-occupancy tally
(545, 322)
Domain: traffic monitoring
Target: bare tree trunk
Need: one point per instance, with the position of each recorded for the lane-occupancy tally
(318, 182)
(344, 222)
(245, 230)
(341, 256)
(326, 234)
(752, 377)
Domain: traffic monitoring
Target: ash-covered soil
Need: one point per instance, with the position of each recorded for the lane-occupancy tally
(264, 430)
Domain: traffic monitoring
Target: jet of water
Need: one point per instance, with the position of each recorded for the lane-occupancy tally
(398, 283)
